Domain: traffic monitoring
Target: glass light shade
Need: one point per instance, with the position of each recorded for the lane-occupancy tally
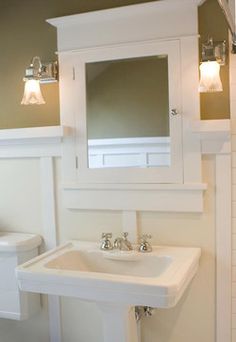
(210, 81)
(32, 93)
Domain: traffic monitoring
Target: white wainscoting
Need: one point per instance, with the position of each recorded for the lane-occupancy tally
(43, 143)
(46, 145)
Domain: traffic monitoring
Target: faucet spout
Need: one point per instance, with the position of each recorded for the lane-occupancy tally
(122, 243)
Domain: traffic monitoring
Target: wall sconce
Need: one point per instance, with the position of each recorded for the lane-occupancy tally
(213, 56)
(35, 74)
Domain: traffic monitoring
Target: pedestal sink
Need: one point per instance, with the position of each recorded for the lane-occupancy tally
(116, 281)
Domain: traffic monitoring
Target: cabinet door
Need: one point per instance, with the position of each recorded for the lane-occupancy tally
(128, 114)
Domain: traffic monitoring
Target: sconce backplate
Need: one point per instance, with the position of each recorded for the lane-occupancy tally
(49, 72)
(214, 51)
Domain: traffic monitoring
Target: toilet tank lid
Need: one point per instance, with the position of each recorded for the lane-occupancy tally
(18, 242)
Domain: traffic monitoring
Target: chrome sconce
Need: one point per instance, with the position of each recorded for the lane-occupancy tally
(35, 74)
(213, 56)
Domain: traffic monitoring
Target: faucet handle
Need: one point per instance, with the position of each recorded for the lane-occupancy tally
(106, 236)
(144, 244)
(106, 243)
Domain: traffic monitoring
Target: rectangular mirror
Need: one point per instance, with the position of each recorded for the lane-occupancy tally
(127, 113)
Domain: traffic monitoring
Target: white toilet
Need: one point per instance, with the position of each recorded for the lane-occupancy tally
(15, 249)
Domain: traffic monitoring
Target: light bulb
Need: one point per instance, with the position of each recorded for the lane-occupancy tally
(210, 77)
(32, 93)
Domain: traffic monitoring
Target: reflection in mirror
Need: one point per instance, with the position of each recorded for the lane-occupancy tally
(128, 112)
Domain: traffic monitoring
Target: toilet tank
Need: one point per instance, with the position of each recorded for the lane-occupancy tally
(15, 249)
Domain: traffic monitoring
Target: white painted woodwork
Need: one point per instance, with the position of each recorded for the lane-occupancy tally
(48, 202)
(124, 37)
(30, 150)
(129, 152)
(50, 239)
(164, 19)
(32, 142)
(67, 95)
(165, 200)
(212, 129)
(190, 109)
(163, 174)
(214, 135)
(19, 135)
(130, 219)
(223, 247)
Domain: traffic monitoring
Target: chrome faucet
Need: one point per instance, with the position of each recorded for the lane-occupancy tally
(122, 243)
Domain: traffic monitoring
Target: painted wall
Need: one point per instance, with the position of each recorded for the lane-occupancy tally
(24, 34)
(172, 325)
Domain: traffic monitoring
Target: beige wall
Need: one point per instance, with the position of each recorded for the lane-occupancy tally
(193, 319)
(24, 34)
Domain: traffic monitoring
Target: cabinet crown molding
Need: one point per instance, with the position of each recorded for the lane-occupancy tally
(140, 22)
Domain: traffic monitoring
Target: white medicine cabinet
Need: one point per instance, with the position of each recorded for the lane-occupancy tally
(128, 92)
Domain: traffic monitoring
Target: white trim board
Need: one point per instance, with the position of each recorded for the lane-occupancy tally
(32, 142)
(122, 11)
(216, 129)
(223, 248)
(24, 134)
(168, 174)
(97, 29)
(134, 200)
(214, 135)
(48, 202)
(31, 151)
(152, 187)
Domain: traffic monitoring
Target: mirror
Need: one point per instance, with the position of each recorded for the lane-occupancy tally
(128, 112)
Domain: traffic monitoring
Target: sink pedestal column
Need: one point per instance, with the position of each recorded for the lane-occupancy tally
(119, 323)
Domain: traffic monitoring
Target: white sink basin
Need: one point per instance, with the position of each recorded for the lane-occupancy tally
(111, 263)
(80, 269)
